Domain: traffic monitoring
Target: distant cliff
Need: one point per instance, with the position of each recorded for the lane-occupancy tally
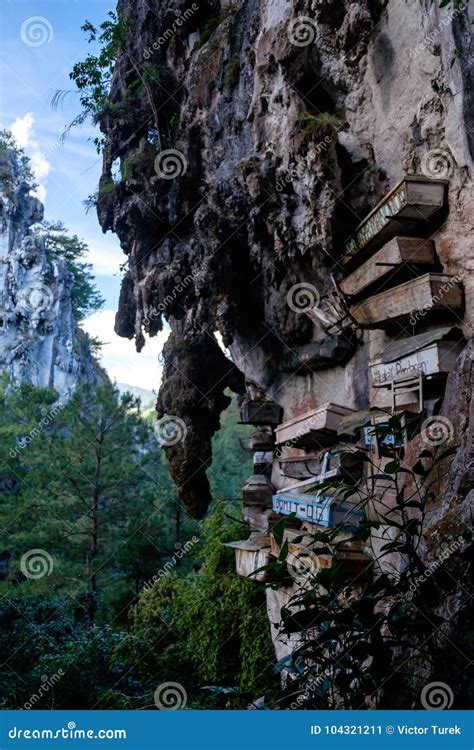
(40, 341)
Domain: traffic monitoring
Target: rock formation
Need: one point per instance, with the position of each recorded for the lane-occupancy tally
(253, 137)
(40, 342)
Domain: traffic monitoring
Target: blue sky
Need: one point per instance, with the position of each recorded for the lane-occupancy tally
(40, 42)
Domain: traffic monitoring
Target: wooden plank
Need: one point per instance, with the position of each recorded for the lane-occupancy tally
(439, 358)
(316, 427)
(387, 260)
(428, 293)
(410, 203)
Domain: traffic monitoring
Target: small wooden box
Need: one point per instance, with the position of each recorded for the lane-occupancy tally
(262, 440)
(250, 555)
(258, 490)
(263, 462)
(260, 412)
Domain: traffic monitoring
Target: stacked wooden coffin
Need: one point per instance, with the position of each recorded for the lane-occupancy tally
(393, 274)
(308, 457)
(254, 553)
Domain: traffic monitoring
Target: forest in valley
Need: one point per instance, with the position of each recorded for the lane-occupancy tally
(117, 592)
(107, 587)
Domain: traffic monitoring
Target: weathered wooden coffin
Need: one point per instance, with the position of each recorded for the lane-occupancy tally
(252, 554)
(433, 354)
(258, 490)
(260, 412)
(259, 519)
(351, 561)
(433, 292)
(322, 510)
(407, 206)
(262, 440)
(321, 466)
(314, 428)
(331, 351)
(390, 258)
(262, 462)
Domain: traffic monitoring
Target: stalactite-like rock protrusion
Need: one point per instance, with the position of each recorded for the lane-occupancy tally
(194, 395)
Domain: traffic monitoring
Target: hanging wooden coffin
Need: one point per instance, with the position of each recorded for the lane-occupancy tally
(390, 258)
(302, 558)
(258, 490)
(252, 554)
(433, 354)
(262, 462)
(322, 510)
(262, 440)
(321, 466)
(260, 412)
(314, 429)
(259, 519)
(417, 299)
(403, 211)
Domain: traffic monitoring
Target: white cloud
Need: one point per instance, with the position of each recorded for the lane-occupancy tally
(119, 357)
(23, 132)
(105, 255)
(22, 128)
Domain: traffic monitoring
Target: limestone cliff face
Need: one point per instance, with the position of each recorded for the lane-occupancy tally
(40, 342)
(253, 137)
